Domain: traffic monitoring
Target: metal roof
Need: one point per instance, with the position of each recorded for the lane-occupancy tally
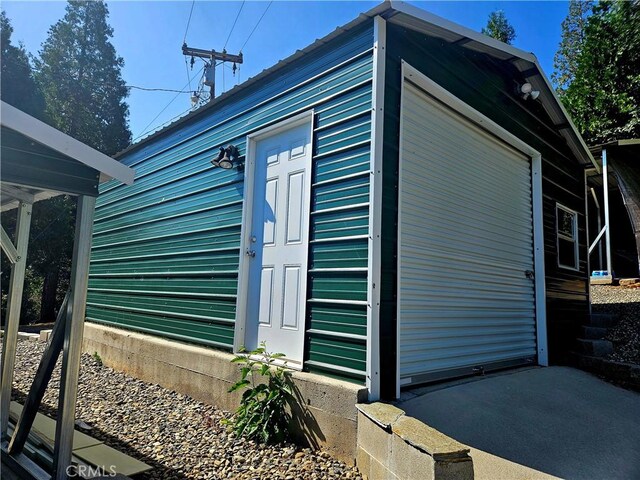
(414, 18)
(47, 145)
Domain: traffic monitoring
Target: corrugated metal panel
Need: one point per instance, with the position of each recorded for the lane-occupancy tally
(466, 241)
(46, 168)
(166, 249)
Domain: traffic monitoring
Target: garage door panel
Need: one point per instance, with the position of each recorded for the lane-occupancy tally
(466, 241)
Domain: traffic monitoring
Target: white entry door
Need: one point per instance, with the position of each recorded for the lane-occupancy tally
(279, 236)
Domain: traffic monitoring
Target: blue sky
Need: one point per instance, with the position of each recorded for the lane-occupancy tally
(149, 35)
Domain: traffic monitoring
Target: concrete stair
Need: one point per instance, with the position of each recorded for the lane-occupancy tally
(592, 344)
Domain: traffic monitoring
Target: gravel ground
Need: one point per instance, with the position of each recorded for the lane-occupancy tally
(178, 436)
(625, 302)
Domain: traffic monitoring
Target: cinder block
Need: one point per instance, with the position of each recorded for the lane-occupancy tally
(380, 471)
(458, 470)
(363, 462)
(375, 440)
(45, 335)
(409, 463)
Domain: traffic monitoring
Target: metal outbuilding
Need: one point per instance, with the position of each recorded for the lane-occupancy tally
(405, 203)
(40, 162)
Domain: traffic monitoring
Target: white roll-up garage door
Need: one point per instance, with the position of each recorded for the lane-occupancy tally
(466, 288)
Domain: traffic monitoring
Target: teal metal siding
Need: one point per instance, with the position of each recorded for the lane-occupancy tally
(166, 249)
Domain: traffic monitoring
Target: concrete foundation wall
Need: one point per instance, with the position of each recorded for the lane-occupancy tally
(394, 446)
(325, 415)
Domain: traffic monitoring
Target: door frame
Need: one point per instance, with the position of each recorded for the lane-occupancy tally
(240, 331)
(457, 105)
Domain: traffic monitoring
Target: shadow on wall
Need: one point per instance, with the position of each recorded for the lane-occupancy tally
(303, 426)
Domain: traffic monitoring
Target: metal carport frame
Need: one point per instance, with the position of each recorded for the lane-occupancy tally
(33, 156)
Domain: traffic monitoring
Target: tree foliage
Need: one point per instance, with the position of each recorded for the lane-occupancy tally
(83, 95)
(499, 27)
(565, 61)
(604, 95)
(18, 87)
(80, 76)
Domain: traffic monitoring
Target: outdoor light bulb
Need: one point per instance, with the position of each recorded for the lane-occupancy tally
(526, 88)
(534, 94)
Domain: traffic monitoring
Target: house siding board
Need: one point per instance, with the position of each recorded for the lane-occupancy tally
(487, 85)
(166, 249)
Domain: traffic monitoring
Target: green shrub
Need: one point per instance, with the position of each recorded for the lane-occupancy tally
(262, 414)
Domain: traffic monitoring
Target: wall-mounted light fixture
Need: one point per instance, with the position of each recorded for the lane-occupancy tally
(527, 91)
(227, 158)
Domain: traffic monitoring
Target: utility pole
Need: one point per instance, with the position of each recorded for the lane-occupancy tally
(211, 56)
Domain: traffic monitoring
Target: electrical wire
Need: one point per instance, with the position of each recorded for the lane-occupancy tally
(233, 26)
(254, 28)
(157, 89)
(184, 41)
(188, 21)
(146, 129)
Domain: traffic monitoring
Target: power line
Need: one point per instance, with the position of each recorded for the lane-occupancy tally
(157, 89)
(144, 130)
(186, 66)
(254, 28)
(234, 25)
(188, 21)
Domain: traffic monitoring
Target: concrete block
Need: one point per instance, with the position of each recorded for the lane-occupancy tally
(383, 414)
(410, 463)
(379, 471)
(603, 320)
(28, 336)
(374, 439)
(457, 470)
(595, 348)
(429, 440)
(325, 413)
(363, 462)
(602, 280)
(593, 333)
(45, 335)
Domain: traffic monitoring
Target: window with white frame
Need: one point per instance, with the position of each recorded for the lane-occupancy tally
(567, 234)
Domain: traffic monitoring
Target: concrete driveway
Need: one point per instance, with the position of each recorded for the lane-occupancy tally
(537, 423)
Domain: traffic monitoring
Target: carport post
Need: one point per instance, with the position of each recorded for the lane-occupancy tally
(605, 186)
(12, 319)
(73, 337)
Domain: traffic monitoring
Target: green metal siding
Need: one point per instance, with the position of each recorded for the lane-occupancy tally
(166, 249)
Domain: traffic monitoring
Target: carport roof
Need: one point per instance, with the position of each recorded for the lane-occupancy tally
(414, 18)
(39, 162)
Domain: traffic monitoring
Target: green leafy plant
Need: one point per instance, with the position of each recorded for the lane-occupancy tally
(262, 414)
(97, 358)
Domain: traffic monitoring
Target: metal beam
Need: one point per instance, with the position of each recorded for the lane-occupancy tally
(74, 326)
(12, 320)
(7, 246)
(40, 382)
(17, 193)
(592, 246)
(605, 186)
(595, 199)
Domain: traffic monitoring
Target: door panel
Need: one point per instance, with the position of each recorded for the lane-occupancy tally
(466, 297)
(279, 235)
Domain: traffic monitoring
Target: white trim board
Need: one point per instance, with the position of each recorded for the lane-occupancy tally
(432, 88)
(40, 132)
(375, 209)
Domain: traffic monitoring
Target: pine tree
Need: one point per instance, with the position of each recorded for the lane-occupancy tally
(499, 27)
(80, 76)
(604, 96)
(565, 61)
(18, 87)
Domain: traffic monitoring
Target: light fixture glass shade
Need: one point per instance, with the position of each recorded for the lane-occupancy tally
(526, 88)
